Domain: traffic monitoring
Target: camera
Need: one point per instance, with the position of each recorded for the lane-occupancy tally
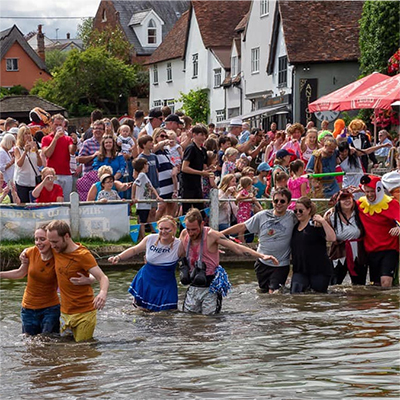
(184, 271)
(198, 274)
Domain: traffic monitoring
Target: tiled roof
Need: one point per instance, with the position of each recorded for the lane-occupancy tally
(169, 11)
(241, 26)
(218, 19)
(18, 104)
(138, 17)
(223, 55)
(321, 31)
(9, 36)
(173, 46)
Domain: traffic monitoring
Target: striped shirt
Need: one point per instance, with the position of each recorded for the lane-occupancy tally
(165, 167)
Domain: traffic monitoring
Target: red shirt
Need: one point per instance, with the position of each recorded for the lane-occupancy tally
(377, 227)
(60, 158)
(50, 197)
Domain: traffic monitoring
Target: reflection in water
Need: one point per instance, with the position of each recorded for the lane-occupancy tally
(341, 345)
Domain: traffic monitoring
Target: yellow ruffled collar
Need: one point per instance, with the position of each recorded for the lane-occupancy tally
(370, 209)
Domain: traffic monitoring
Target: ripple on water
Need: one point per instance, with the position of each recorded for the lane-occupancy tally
(340, 345)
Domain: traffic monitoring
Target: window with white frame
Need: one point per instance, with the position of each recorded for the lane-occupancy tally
(155, 74)
(217, 77)
(169, 72)
(171, 104)
(12, 64)
(255, 60)
(282, 72)
(234, 66)
(220, 115)
(151, 32)
(264, 7)
(157, 103)
(195, 61)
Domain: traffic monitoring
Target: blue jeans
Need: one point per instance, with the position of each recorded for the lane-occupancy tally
(43, 320)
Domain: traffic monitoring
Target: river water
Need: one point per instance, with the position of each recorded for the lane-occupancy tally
(344, 345)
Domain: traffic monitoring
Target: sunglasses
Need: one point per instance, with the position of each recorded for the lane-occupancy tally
(280, 201)
(163, 136)
(298, 211)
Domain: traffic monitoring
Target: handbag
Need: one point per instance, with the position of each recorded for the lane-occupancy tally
(38, 178)
(232, 218)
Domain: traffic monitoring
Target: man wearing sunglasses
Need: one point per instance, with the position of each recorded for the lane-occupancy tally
(274, 230)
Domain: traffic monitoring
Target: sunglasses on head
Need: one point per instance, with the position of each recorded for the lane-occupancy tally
(298, 211)
(281, 201)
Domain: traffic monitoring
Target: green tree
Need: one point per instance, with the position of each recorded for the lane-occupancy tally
(85, 30)
(87, 80)
(379, 35)
(55, 59)
(114, 41)
(196, 105)
(17, 90)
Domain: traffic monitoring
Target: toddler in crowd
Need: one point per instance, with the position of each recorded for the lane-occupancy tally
(107, 193)
(260, 182)
(126, 143)
(175, 149)
(244, 207)
(229, 158)
(297, 183)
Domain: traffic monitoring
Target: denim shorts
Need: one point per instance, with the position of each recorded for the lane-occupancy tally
(43, 320)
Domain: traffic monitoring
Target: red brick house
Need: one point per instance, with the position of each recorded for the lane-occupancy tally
(20, 64)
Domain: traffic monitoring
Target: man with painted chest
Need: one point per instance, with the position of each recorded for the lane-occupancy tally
(209, 281)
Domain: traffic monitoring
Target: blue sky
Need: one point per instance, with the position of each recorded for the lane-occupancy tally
(46, 8)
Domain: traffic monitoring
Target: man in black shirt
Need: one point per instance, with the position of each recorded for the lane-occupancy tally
(194, 167)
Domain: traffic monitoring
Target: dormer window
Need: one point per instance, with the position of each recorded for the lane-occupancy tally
(151, 32)
(104, 16)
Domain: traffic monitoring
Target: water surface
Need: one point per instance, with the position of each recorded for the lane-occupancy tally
(344, 345)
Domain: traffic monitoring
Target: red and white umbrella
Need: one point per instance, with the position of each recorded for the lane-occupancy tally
(339, 100)
(381, 95)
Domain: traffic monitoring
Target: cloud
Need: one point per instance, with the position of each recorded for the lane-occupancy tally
(44, 8)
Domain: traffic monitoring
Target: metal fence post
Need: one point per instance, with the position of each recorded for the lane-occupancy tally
(214, 209)
(74, 199)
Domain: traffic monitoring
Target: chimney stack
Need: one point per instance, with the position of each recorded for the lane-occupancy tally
(40, 43)
(68, 36)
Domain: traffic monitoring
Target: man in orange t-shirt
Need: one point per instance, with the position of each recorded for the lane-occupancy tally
(78, 304)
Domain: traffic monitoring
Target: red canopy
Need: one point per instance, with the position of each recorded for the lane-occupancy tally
(339, 100)
(381, 95)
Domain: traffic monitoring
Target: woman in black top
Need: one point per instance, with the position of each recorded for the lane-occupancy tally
(312, 268)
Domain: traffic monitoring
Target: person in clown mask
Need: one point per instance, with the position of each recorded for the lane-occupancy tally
(380, 214)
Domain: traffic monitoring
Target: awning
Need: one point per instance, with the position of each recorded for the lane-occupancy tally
(226, 122)
(267, 112)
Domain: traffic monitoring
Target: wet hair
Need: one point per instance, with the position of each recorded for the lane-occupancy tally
(353, 158)
(194, 215)
(283, 192)
(61, 227)
(295, 165)
(143, 140)
(139, 163)
(307, 203)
